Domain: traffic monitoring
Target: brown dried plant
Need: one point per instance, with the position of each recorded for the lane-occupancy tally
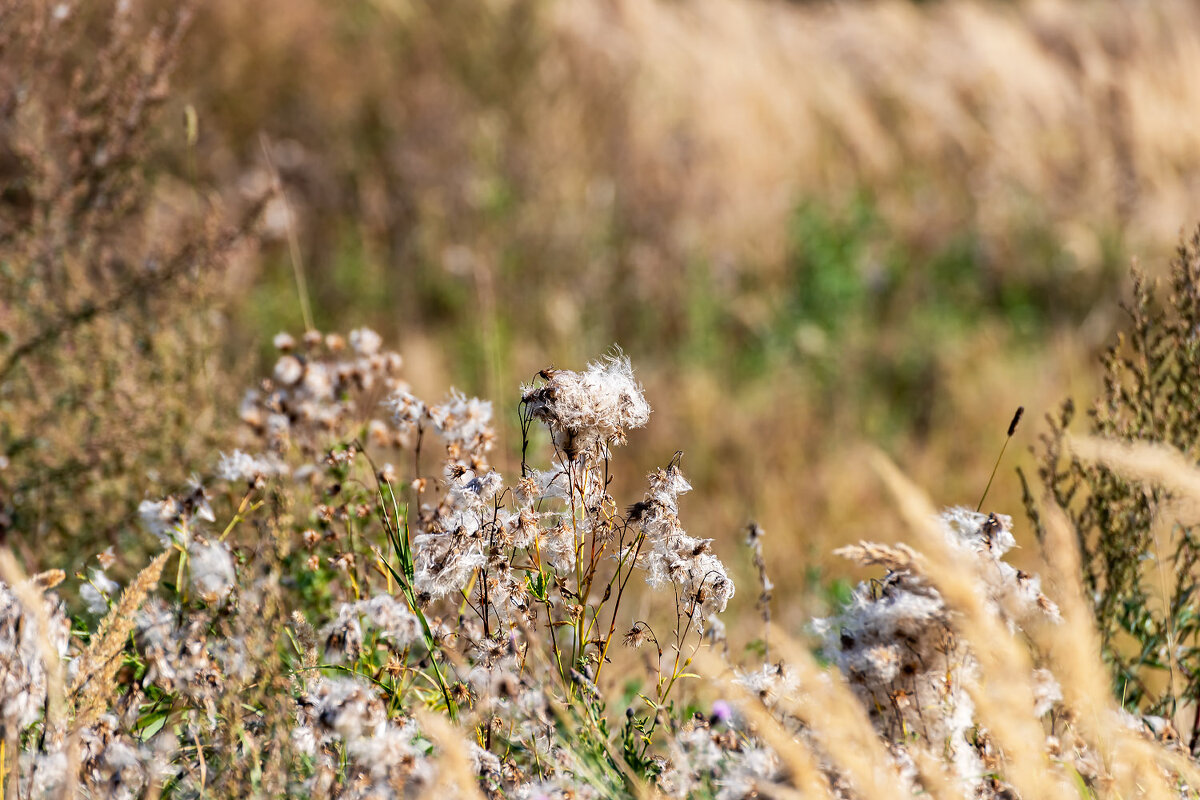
(1140, 554)
(105, 290)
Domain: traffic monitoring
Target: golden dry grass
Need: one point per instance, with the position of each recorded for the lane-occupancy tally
(742, 106)
(539, 157)
(92, 688)
(518, 185)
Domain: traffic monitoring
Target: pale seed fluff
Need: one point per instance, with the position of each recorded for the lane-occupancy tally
(347, 708)
(170, 519)
(406, 408)
(97, 591)
(386, 614)
(1046, 692)
(365, 341)
(671, 556)
(464, 420)
(240, 466)
(590, 410)
(212, 572)
(898, 644)
(288, 370)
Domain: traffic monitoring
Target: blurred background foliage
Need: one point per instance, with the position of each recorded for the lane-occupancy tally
(811, 225)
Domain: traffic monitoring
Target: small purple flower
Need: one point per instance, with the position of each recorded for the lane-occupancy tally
(721, 712)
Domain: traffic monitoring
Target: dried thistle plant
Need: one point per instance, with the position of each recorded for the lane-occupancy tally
(341, 627)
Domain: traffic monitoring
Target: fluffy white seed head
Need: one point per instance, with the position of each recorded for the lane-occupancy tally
(211, 565)
(588, 411)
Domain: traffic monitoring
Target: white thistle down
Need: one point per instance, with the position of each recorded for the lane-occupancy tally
(588, 411)
(898, 645)
(239, 466)
(671, 556)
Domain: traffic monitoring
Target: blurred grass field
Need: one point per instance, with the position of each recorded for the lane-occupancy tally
(812, 226)
(271, 552)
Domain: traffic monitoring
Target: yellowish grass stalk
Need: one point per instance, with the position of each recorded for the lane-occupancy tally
(92, 687)
(937, 783)
(1146, 462)
(29, 592)
(1160, 530)
(869, 554)
(456, 776)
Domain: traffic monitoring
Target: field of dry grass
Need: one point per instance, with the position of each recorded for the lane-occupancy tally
(840, 243)
(865, 222)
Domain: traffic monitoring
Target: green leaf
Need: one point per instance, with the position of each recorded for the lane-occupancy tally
(154, 726)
